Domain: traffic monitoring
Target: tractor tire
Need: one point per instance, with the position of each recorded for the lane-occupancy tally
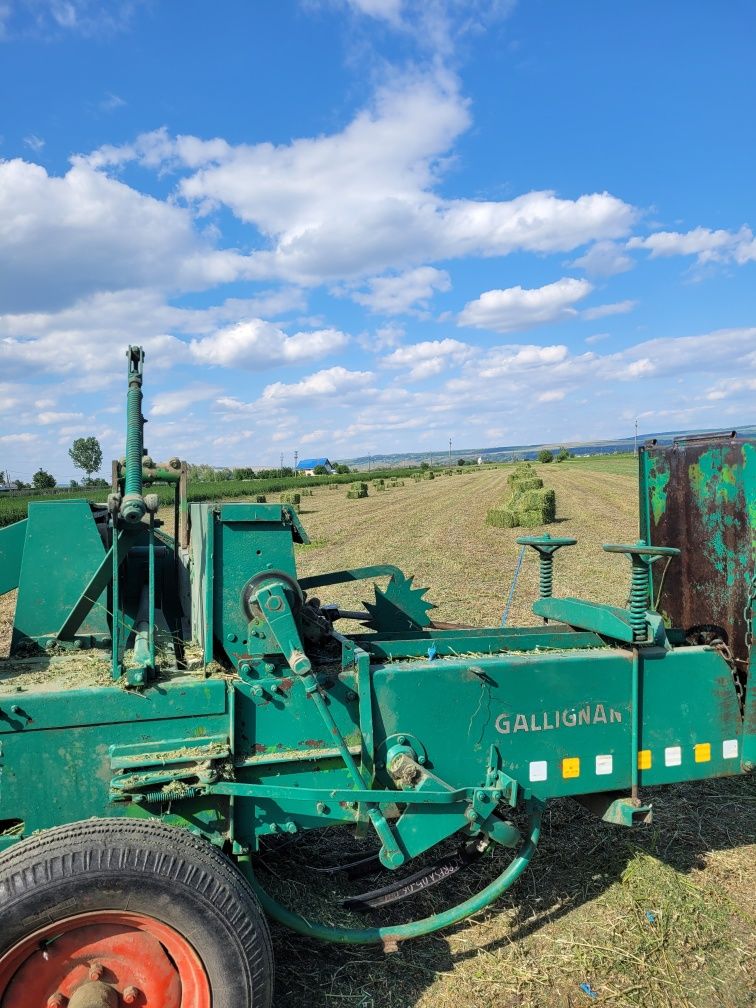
(149, 910)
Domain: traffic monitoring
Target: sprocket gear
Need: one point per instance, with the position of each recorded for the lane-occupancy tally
(400, 607)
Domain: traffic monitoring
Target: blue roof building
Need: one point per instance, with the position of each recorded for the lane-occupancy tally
(307, 467)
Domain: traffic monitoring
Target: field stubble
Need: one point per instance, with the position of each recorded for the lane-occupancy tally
(659, 917)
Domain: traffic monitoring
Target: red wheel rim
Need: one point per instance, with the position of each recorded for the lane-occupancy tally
(127, 950)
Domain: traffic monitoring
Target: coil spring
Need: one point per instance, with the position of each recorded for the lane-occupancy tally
(156, 797)
(134, 441)
(546, 575)
(639, 599)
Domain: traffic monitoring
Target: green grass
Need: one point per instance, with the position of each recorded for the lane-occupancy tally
(620, 465)
(13, 507)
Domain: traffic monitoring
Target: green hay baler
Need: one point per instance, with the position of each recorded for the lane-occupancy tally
(173, 703)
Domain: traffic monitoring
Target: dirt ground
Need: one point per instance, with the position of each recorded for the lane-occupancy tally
(655, 917)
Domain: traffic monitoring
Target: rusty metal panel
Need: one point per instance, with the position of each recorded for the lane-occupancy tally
(699, 494)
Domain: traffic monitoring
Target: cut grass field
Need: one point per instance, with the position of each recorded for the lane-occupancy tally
(655, 917)
(579, 914)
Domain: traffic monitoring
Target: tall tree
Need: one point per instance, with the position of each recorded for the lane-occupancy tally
(42, 480)
(86, 454)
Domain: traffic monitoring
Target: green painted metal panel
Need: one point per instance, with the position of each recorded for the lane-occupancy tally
(12, 539)
(62, 552)
(72, 774)
(248, 539)
(185, 696)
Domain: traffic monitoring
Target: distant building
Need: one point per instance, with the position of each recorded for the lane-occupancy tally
(307, 467)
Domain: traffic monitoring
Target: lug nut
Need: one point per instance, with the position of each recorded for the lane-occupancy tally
(130, 995)
(96, 971)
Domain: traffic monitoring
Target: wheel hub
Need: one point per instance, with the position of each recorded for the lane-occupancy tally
(106, 959)
(94, 994)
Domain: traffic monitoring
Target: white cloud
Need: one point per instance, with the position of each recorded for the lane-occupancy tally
(603, 258)
(382, 10)
(551, 395)
(50, 18)
(385, 338)
(33, 142)
(335, 381)
(706, 245)
(166, 403)
(507, 360)
(111, 102)
(517, 308)
(396, 295)
(598, 337)
(49, 417)
(601, 311)
(363, 200)
(258, 344)
(422, 360)
(21, 438)
(62, 238)
(727, 388)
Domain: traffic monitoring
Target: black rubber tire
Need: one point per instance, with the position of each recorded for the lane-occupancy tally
(150, 868)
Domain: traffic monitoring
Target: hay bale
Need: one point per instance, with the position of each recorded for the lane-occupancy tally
(357, 491)
(523, 484)
(501, 518)
(531, 517)
(539, 500)
(261, 499)
(291, 498)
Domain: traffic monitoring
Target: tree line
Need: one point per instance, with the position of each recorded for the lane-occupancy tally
(86, 454)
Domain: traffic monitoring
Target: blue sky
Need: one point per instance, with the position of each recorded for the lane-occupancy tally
(352, 226)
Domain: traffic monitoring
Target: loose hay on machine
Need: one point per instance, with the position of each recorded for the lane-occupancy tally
(177, 697)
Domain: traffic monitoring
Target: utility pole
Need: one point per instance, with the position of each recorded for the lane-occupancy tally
(636, 437)
(450, 452)
(296, 459)
(281, 470)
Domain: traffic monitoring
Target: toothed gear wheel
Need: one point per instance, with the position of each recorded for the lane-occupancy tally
(400, 607)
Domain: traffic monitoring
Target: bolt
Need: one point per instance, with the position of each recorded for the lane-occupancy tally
(471, 815)
(245, 668)
(402, 740)
(321, 808)
(130, 995)
(421, 760)
(56, 1001)
(96, 971)
(290, 827)
(351, 695)
(257, 691)
(15, 709)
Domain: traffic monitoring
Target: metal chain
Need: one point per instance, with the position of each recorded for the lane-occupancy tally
(748, 613)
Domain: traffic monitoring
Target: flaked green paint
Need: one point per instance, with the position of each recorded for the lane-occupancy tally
(659, 480)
